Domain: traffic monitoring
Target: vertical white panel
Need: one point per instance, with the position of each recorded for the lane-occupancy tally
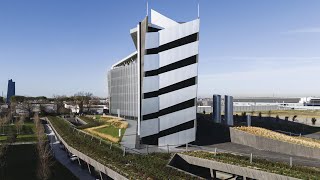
(152, 40)
(150, 105)
(179, 53)
(172, 77)
(149, 127)
(178, 96)
(174, 119)
(150, 84)
(151, 62)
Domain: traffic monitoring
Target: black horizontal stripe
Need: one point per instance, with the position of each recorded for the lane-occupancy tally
(171, 109)
(154, 139)
(178, 128)
(153, 29)
(176, 43)
(176, 65)
(171, 88)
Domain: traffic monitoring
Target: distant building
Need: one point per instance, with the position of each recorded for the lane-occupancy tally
(11, 90)
(310, 101)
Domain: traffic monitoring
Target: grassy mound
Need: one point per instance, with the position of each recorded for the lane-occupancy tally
(280, 137)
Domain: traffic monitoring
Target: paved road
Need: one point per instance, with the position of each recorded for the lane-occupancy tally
(272, 156)
(62, 157)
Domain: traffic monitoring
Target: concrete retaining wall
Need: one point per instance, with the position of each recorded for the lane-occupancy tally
(98, 166)
(233, 169)
(262, 143)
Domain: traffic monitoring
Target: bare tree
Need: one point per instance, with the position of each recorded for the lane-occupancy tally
(45, 158)
(59, 101)
(20, 123)
(81, 99)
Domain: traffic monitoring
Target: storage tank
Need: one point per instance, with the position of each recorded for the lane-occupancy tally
(216, 113)
(228, 113)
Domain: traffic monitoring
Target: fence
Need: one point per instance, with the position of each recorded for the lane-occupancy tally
(251, 156)
(171, 148)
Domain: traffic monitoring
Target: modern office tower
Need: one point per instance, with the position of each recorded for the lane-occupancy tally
(216, 113)
(157, 84)
(228, 113)
(11, 90)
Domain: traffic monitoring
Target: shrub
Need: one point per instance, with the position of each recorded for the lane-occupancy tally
(313, 120)
(294, 118)
(286, 118)
(269, 113)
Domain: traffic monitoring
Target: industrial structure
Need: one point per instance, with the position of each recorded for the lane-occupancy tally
(157, 84)
(11, 90)
(216, 115)
(228, 112)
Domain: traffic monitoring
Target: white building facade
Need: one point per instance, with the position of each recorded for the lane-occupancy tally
(157, 85)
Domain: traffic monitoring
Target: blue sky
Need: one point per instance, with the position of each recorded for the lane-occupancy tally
(247, 47)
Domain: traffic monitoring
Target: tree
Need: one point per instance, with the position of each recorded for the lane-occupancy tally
(313, 120)
(1, 100)
(260, 115)
(59, 102)
(277, 118)
(45, 158)
(269, 113)
(294, 118)
(20, 123)
(81, 99)
(17, 99)
(244, 116)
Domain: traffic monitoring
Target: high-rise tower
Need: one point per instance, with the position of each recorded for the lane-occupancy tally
(11, 90)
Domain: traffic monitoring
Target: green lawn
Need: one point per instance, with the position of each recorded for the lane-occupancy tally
(3, 138)
(90, 122)
(26, 134)
(264, 165)
(111, 130)
(26, 138)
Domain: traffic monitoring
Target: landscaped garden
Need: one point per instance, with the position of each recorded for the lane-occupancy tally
(22, 133)
(133, 166)
(260, 164)
(105, 127)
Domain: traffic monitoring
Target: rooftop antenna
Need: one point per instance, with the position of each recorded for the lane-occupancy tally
(198, 9)
(147, 9)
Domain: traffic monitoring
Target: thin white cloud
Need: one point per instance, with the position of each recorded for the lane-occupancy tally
(304, 30)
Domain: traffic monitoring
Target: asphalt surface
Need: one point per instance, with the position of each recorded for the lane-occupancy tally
(61, 156)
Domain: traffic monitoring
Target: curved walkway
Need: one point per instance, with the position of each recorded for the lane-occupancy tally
(62, 157)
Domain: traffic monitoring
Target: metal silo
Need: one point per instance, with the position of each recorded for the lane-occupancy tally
(228, 113)
(216, 113)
